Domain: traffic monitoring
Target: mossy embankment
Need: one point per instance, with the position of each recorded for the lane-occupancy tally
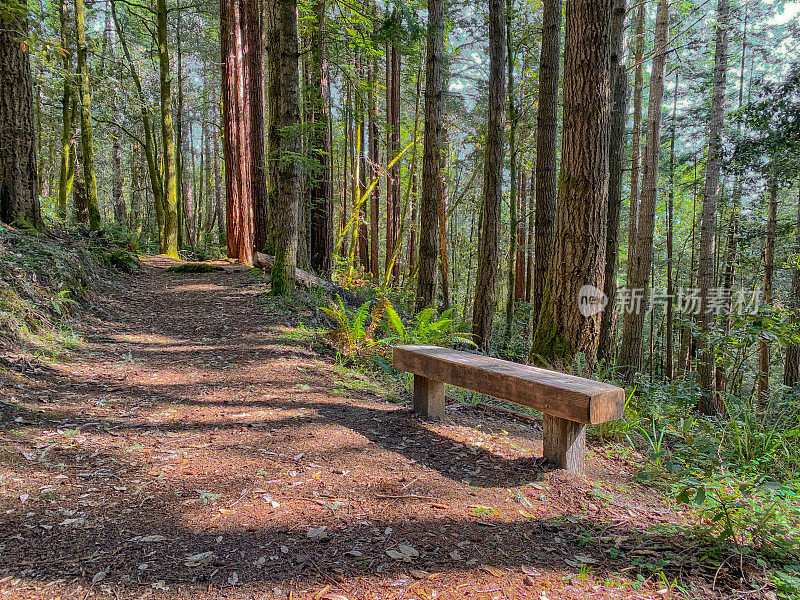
(45, 279)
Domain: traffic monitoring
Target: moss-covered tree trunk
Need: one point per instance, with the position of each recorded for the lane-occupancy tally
(87, 139)
(67, 167)
(288, 147)
(169, 243)
(578, 256)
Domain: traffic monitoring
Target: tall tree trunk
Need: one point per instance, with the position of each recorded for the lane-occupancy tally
(444, 190)
(633, 324)
(710, 403)
(636, 143)
(218, 203)
(669, 369)
(180, 156)
(578, 258)
(156, 183)
(431, 158)
(731, 247)
(254, 20)
(118, 183)
(135, 216)
(288, 104)
(607, 349)
(522, 240)
(529, 250)
(170, 199)
(361, 130)
(687, 343)
(546, 151)
(237, 133)
(791, 369)
(321, 192)
(769, 266)
(513, 119)
(87, 140)
(67, 168)
(393, 149)
(488, 242)
(19, 197)
(374, 168)
(79, 202)
(411, 192)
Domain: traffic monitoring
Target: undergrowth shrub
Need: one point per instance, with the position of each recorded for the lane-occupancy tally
(368, 333)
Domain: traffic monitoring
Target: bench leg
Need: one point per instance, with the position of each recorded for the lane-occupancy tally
(428, 397)
(564, 443)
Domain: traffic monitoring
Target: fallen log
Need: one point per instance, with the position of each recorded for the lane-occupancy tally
(311, 281)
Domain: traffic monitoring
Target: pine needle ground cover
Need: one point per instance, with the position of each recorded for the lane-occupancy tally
(221, 457)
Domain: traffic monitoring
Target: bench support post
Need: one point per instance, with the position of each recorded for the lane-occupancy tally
(428, 397)
(564, 443)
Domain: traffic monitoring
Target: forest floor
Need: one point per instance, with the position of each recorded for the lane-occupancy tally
(198, 446)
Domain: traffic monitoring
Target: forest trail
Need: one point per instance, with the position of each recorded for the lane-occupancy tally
(199, 447)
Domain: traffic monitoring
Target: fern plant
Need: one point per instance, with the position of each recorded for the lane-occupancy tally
(425, 328)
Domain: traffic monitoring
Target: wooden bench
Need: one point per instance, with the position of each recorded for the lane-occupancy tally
(568, 402)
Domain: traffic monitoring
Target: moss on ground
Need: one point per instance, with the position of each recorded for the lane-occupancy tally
(44, 281)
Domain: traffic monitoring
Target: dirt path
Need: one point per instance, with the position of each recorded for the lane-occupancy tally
(196, 447)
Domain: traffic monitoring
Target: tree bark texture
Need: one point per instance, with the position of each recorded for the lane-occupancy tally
(513, 118)
(321, 188)
(710, 403)
(791, 369)
(636, 142)
(170, 199)
(19, 194)
(640, 266)
(431, 158)
(607, 349)
(87, 139)
(254, 24)
(546, 150)
(579, 253)
(286, 212)
(236, 108)
(67, 167)
(484, 305)
(769, 268)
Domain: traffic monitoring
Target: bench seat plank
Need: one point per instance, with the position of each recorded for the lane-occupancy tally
(557, 394)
